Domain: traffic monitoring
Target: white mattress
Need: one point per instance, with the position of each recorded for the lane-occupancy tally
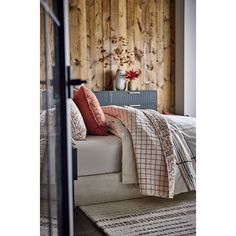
(99, 155)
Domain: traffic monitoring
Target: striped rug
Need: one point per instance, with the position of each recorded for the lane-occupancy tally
(44, 226)
(178, 220)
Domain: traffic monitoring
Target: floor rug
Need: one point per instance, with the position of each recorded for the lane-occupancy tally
(44, 226)
(145, 216)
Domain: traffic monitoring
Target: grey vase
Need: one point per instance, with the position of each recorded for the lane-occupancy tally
(120, 82)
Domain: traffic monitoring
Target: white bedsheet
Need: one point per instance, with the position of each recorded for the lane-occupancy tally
(98, 155)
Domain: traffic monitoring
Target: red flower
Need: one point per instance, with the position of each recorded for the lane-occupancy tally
(132, 74)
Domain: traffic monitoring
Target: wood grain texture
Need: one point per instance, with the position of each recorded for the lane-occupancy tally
(46, 68)
(42, 49)
(114, 33)
(148, 30)
(106, 24)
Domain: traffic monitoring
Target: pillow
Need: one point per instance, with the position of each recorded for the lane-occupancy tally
(44, 132)
(91, 111)
(44, 122)
(78, 127)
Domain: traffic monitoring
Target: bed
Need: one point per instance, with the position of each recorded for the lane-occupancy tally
(109, 172)
(99, 172)
(108, 168)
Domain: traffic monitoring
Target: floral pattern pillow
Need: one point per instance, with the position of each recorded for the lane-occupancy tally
(79, 130)
(44, 122)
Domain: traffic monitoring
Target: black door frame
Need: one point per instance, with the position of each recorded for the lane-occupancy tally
(61, 95)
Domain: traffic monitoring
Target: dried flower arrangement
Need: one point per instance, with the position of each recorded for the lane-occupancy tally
(132, 74)
(120, 54)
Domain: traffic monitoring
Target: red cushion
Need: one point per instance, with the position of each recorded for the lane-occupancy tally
(91, 111)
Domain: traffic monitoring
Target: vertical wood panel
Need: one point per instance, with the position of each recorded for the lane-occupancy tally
(88, 35)
(167, 55)
(42, 50)
(114, 32)
(74, 36)
(138, 40)
(50, 47)
(107, 77)
(130, 29)
(148, 29)
(82, 40)
(122, 25)
(99, 43)
(172, 44)
(160, 54)
(92, 81)
(153, 44)
(146, 42)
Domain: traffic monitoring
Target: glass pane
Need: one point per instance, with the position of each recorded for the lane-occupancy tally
(49, 130)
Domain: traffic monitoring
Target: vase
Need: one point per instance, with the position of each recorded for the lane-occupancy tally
(120, 81)
(132, 85)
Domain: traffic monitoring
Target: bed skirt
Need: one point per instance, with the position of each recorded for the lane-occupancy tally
(95, 189)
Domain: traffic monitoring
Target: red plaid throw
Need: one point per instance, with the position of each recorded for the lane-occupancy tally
(153, 149)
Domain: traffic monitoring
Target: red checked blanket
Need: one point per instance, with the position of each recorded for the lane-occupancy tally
(156, 155)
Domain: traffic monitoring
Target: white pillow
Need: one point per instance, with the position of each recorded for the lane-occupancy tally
(44, 125)
(79, 130)
(78, 127)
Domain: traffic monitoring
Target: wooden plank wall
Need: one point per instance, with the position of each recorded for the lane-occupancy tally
(43, 69)
(147, 28)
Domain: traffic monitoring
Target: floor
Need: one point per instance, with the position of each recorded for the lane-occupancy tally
(135, 206)
(84, 226)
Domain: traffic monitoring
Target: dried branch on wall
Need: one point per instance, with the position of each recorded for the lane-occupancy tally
(120, 54)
